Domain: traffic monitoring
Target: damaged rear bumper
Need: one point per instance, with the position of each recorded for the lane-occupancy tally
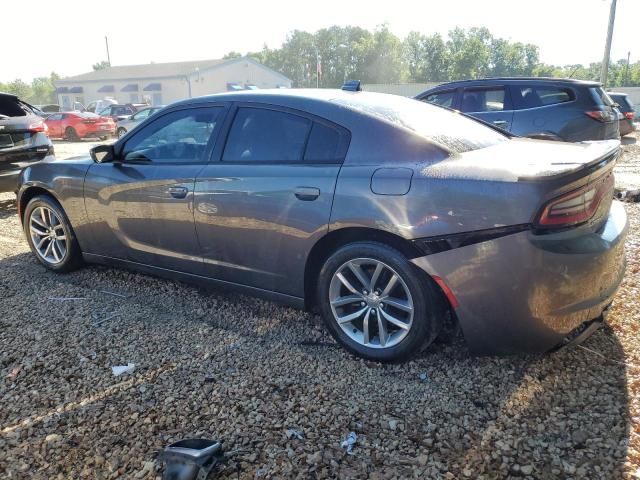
(526, 292)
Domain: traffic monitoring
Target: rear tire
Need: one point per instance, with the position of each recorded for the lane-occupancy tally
(71, 135)
(372, 314)
(122, 132)
(50, 235)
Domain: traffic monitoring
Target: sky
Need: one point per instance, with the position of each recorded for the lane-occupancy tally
(68, 36)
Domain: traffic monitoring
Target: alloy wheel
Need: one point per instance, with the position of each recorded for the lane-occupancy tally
(371, 303)
(48, 235)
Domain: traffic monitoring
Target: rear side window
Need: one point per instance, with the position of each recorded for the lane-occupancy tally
(324, 145)
(444, 99)
(262, 135)
(485, 100)
(529, 96)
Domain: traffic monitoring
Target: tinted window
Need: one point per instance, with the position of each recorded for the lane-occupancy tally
(486, 100)
(323, 144)
(260, 135)
(532, 97)
(441, 98)
(55, 116)
(447, 129)
(180, 136)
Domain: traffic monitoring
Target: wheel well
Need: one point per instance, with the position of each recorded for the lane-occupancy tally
(28, 194)
(338, 238)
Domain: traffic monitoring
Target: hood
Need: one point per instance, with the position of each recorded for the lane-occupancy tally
(521, 160)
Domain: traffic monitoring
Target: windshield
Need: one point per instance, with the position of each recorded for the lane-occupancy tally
(450, 130)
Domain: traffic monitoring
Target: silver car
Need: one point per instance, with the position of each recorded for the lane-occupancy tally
(123, 126)
(397, 220)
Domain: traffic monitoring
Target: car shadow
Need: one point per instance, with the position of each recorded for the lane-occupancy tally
(628, 140)
(8, 208)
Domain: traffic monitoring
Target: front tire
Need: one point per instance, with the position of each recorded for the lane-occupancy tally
(50, 235)
(377, 304)
(122, 132)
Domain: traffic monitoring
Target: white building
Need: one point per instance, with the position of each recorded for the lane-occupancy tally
(164, 83)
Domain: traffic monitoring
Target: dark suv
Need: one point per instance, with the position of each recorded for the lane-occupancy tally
(23, 139)
(626, 107)
(548, 108)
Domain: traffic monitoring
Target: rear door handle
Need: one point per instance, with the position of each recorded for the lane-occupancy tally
(178, 192)
(307, 194)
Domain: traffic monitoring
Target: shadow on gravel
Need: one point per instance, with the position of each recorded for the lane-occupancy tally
(562, 415)
(628, 140)
(7, 208)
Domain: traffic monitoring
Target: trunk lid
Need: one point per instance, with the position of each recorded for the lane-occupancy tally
(15, 132)
(527, 160)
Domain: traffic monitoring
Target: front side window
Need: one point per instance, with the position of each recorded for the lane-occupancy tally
(444, 99)
(483, 100)
(262, 135)
(180, 136)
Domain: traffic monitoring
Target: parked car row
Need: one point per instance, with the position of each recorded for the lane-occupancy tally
(396, 220)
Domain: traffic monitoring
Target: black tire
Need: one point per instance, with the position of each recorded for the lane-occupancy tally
(103, 137)
(428, 308)
(121, 132)
(71, 135)
(72, 257)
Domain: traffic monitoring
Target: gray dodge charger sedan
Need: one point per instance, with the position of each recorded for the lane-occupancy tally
(398, 221)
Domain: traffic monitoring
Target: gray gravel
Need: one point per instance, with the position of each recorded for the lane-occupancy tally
(268, 368)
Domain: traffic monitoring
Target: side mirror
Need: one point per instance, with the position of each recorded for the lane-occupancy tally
(102, 153)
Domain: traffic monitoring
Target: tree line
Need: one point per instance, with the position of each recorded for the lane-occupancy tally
(382, 57)
(379, 56)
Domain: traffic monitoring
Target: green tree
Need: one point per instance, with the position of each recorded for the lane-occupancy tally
(232, 54)
(19, 88)
(101, 65)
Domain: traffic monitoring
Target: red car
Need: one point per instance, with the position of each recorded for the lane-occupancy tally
(77, 125)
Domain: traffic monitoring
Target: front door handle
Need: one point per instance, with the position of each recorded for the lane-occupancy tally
(178, 192)
(307, 194)
(500, 123)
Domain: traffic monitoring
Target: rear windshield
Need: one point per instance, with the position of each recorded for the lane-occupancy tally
(600, 97)
(624, 101)
(450, 130)
(11, 107)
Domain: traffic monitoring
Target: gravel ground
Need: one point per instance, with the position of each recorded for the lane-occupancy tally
(220, 365)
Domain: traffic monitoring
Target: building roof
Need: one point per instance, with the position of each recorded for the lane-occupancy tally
(154, 70)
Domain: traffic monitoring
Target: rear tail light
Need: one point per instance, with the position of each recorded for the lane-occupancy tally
(629, 115)
(38, 127)
(599, 115)
(576, 207)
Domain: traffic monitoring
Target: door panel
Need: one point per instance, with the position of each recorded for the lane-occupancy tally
(141, 206)
(136, 217)
(257, 223)
(260, 209)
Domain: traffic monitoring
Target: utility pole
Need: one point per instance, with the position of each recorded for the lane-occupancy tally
(626, 74)
(106, 41)
(607, 48)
